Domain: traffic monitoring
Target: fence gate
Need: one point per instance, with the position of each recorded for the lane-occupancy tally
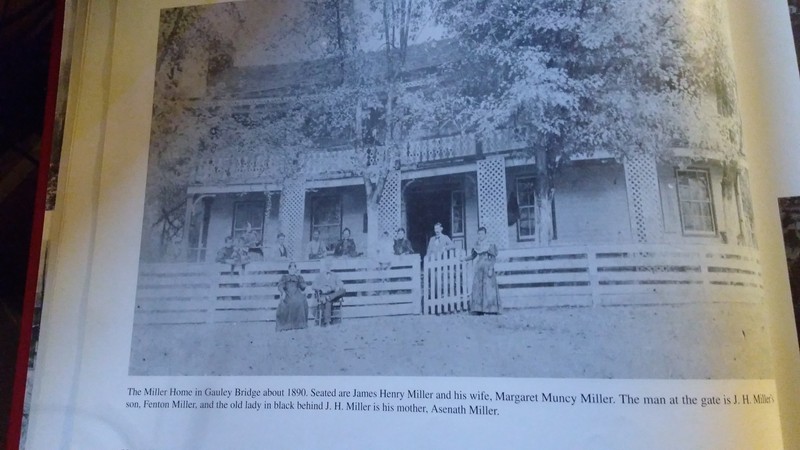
(446, 283)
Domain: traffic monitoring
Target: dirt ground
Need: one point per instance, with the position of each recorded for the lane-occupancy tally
(700, 341)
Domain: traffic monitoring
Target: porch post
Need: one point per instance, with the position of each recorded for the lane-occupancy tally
(389, 214)
(187, 222)
(292, 211)
(644, 199)
(744, 204)
(492, 201)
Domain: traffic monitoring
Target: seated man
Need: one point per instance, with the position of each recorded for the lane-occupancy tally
(346, 246)
(316, 248)
(330, 289)
(226, 252)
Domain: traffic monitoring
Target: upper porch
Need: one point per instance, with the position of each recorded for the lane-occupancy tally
(336, 162)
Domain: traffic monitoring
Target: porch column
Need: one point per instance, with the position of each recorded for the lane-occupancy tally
(644, 200)
(187, 223)
(292, 211)
(389, 213)
(492, 201)
(745, 204)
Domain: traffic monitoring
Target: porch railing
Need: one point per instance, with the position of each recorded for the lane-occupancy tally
(439, 149)
(331, 161)
(212, 293)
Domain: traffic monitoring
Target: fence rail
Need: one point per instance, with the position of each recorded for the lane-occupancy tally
(212, 293)
(627, 274)
(531, 277)
(599, 275)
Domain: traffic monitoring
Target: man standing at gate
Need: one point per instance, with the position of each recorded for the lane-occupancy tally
(439, 243)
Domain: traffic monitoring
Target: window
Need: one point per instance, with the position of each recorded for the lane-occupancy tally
(249, 214)
(457, 213)
(326, 217)
(695, 202)
(526, 202)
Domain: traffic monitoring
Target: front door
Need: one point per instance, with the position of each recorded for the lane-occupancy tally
(423, 210)
(432, 200)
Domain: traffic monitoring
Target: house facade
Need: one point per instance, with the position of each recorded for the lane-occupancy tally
(460, 179)
(597, 200)
(674, 226)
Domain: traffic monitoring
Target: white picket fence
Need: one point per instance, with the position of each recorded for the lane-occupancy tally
(527, 278)
(599, 275)
(627, 275)
(446, 282)
(210, 293)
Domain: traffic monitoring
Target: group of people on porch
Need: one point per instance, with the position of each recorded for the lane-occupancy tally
(248, 248)
(292, 310)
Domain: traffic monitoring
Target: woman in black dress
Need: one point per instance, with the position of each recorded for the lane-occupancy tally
(292, 310)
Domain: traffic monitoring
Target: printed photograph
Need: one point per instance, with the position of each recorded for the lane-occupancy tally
(794, 17)
(790, 221)
(484, 188)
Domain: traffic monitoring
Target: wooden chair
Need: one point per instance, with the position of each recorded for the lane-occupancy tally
(324, 316)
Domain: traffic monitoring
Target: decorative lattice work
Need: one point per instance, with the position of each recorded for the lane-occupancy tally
(389, 214)
(492, 207)
(644, 200)
(292, 210)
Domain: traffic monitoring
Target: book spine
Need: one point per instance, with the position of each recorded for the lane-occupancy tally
(26, 325)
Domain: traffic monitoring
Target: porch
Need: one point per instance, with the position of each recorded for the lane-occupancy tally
(184, 293)
(336, 161)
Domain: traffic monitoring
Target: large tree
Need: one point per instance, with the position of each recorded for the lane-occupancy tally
(192, 42)
(573, 77)
(368, 102)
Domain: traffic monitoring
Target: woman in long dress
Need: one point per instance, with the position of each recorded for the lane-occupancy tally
(484, 298)
(292, 310)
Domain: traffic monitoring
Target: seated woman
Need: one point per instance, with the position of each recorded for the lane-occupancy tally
(280, 251)
(346, 246)
(225, 253)
(402, 246)
(253, 240)
(292, 312)
(383, 253)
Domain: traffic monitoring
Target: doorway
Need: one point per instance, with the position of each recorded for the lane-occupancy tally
(431, 200)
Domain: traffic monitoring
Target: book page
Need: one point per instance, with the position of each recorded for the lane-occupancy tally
(767, 70)
(282, 219)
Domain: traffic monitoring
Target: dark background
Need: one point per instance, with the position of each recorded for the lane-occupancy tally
(26, 27)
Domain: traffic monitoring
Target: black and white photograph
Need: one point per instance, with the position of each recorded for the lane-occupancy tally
(471, 188)
(790, 222)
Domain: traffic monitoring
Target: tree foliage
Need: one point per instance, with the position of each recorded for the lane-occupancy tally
(569, 77)
(577, 77)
